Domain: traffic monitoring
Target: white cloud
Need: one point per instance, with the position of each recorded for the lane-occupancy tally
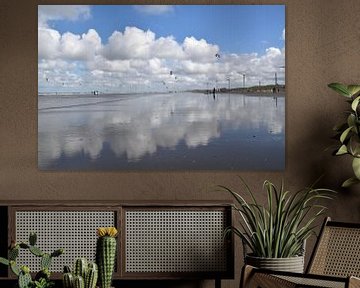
(143, 126)
(167, 47)
(68, 46)
(133, 43)
(283, 35)
(273, 52)
(136, 60)
(78, 47)
(48, 43)
(154, 9)
(199, 50)
(62, 12)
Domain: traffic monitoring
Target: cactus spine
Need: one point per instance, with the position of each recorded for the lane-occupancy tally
(106, 254)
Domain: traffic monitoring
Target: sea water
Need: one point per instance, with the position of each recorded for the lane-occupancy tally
(170, 131)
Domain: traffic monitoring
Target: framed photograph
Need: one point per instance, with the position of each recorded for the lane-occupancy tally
(161, 87)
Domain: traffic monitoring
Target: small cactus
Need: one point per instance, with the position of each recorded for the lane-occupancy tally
(24, 278)
(24, 246)
(36, 251)
(68, 280)
(45, 261)
(13, 253)
(57, 252)
(89, 272)
(80, 268)
(91, 276)
(79, 282)
(106, 254)
(32, 238)
(43, 274)
(14, 268)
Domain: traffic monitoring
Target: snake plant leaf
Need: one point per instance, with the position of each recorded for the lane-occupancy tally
(353, 89)
(355, 103)
(342, 150)
(356, 167)
(345, 134)
(349, 182)
(340, 88)
(278, 228)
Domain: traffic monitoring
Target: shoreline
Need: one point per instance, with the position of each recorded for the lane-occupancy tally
(250, 94)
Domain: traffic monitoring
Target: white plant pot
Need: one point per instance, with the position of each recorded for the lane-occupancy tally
(291, 264)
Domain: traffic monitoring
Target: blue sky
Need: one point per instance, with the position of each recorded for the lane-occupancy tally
(235, 28)
(122, 46)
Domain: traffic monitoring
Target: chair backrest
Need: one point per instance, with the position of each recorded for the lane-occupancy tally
(337, 251)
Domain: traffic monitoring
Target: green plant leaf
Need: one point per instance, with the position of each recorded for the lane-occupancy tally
(354, 145)
(351, 120)
(345, 134)
(349, 182)
(342, 150)
(279, 228)
(353, 89)
(356, 167)
(355, 103)
(340, 88)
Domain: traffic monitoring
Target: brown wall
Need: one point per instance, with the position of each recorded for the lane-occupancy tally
(322, 46)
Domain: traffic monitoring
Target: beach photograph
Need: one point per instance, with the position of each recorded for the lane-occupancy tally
(161, 87)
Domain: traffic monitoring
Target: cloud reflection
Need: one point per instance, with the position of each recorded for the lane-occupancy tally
(140, 126)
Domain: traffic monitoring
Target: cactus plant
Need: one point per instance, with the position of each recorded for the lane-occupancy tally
(105, 254)
(84, 274)
(80, 268)
(68, 280)
(24, 280)
(91, 276)
(79, 282)
(45, 261)
(42, 278)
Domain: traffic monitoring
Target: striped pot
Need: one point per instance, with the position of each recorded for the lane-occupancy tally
(291, 264)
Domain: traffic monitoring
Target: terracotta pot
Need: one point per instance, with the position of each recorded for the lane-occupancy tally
(291, 264)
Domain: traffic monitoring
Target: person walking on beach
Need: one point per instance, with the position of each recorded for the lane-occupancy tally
(214, 92)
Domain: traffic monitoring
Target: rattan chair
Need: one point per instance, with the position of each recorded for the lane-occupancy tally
(334, 263)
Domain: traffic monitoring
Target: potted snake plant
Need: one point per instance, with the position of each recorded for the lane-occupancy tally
(274, 234)
(348, 133)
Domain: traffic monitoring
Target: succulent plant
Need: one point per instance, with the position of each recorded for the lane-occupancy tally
(68, 278)
(80, 267)
(85, 275)
(42, 278)
(91, 276)
(79, 282)
(106, 254)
